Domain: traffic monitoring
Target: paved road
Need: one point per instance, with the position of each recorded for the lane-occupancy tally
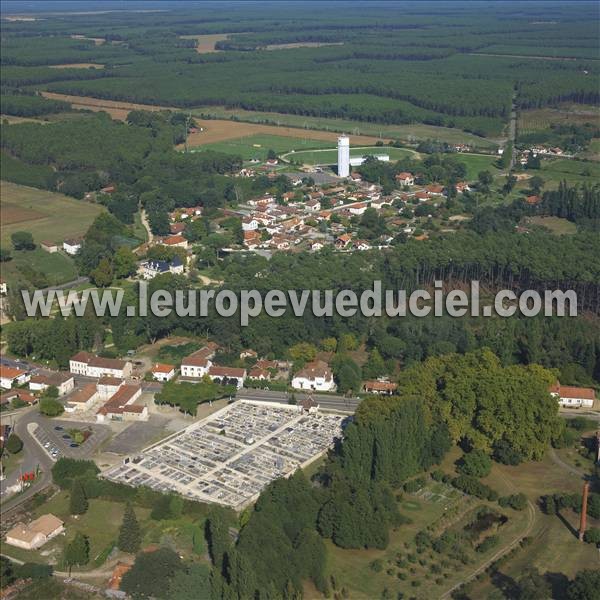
(33, 457)
(68, 284)
(325, 401)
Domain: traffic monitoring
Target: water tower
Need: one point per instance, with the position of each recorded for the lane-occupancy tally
(343, 163)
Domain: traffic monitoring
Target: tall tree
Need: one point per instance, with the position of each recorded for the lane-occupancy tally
(130, 536)
(77, 551)
(78, 503)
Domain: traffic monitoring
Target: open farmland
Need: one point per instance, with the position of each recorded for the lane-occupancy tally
(206, 43)
(539, 119)
(257, 146)
(78, 66)
(47, 215)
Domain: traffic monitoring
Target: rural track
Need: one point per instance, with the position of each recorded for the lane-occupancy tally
(567, 467)
(531, 518)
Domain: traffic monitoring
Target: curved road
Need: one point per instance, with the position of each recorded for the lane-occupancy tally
(33, 456)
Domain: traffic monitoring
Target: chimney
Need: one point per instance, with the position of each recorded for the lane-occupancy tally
(582, 522)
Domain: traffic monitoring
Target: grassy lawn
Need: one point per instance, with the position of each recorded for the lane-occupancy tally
(47, 215)
(554, 171)
(257, 146)
(329, 156)
(476, 163)
(58, 267)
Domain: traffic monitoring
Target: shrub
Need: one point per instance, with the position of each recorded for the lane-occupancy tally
(488, 543)
(475, 464)
(515, 501)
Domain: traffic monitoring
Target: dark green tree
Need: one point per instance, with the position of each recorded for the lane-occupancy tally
(130, 536)
(78, 503)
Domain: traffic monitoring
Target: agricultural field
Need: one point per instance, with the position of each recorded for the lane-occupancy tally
(40, 268)
(258, 145)
(554, 171)
(205, 44)
(478, 162)
(410, 133)
(540, 119)
(47, 215)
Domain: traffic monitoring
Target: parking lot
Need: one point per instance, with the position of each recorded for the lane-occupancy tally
(230, 456)
(56, 440)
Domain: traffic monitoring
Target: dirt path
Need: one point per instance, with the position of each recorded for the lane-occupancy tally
(146, 224)
(566, 466)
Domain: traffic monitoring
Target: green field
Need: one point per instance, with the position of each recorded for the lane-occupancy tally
(329, 156)
(412, 132)
(58, 267)
(573, 171)
(47, 215)
(478, 162)
(257, 146)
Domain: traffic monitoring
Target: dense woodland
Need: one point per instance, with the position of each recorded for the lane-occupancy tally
(386, 65)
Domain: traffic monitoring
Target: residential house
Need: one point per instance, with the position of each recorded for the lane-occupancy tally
(386, 388)
(149, 269)
(228, 375)
(248, 353)
(163, 372)
(533, 200)
(573, 397)
(82, 399)
(177, 228)
(249, 224)
(14, 394)
(361, 245)
(316, 245)
(174, 241)
(63, 382)
(435, 189)
(252, 239)
(342, 241)
(36, 534)
(259, 374)
(10, 376)
(462, 186)
(84, 363)
(314, 376)
(405, 178)
(72, 246)
(313, 205)
(3, 287)
(197, 364)
(358, 208)
(50, 247)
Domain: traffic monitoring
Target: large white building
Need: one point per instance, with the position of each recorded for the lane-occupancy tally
(343, 156)
(84, 363)
(574, 397)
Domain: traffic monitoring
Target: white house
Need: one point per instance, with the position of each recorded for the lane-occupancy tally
(249, 224)
(63, 382)
(3, 287)
(357, 209)
(198, 363)
(72, 246)
(228, 375)
(314, 376)
(84, 363)
(149, 269)
(36, 534)
(573, 397)
(313, 205)
(10, 376)
(405, 178)
(163, 372)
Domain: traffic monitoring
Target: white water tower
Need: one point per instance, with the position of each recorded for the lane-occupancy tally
(343, 163)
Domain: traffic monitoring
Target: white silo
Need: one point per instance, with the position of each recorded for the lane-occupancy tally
(343, 156)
